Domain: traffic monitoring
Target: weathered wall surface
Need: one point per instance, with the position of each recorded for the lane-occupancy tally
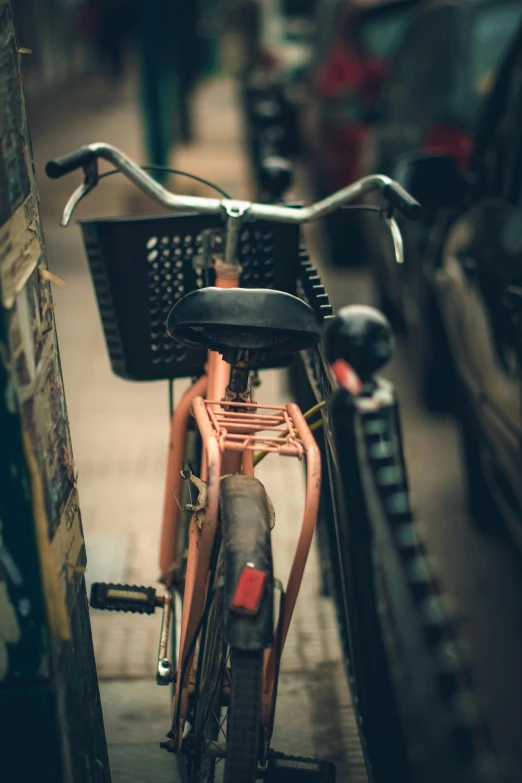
(55, 32)
(50, 714)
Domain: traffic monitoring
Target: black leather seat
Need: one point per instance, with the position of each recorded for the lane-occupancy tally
(233, 318)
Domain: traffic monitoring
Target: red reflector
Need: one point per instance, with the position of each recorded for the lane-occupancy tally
(346, 377)
(249, 590)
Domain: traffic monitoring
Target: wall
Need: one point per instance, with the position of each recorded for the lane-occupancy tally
(50, 714)
(55, 32)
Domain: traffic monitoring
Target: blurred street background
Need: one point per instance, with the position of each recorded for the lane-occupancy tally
(91, 77)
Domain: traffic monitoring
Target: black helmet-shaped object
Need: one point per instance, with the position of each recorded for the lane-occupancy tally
(361, 336)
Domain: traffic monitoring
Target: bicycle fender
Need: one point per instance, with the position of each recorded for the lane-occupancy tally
(248, 577)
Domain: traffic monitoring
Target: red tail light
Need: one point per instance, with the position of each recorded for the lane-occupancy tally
(451, 141)
(249, 590)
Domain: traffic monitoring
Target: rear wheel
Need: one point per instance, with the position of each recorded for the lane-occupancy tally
(194, 453)
(228, 705)
(245, 519)
(225, 708)
(243, 725)
(211, 677)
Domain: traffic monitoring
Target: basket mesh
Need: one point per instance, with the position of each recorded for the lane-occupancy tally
(141, 267)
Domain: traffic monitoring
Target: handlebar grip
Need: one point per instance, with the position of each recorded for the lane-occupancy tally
(402, 200)
(67, 163)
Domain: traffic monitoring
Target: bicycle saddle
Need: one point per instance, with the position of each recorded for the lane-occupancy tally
(243, 318)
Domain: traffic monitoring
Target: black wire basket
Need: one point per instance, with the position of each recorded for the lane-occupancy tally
(141, 267)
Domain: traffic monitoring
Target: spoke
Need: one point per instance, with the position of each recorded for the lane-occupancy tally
(221, 725)
(209, 743)
(212, 658)
(226, 665)
(211, 700)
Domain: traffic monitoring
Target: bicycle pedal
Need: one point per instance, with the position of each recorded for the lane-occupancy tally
(297, 769)
(123, 598)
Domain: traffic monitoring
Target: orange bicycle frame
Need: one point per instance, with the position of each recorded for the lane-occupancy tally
(229, 441)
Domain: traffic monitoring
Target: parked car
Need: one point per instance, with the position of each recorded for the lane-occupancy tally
(441, 73)
(474, 269)
(354, 43)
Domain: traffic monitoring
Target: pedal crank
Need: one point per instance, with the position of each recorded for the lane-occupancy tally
(297, 769)
(124, 598)
(282, 768)
(140, 600)
(164, 673)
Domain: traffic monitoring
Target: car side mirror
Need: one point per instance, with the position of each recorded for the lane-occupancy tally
(433, 179)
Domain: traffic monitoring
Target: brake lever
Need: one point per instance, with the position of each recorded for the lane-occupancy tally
(90, 181)
(398, 244)
(387, 212)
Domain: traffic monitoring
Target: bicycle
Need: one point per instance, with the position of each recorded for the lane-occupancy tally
(267, 137)
(231, 638)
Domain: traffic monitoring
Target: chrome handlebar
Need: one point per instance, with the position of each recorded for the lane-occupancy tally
(234, 212)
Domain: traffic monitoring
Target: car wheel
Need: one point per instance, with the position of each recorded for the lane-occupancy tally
(481, 504)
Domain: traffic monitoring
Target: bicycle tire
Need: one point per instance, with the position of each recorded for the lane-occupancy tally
(209, 684)
(243, 725)
(194, 454)
(209, 703)
(413, 725)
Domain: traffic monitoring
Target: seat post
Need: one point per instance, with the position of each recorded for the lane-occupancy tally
(238, 382)
(241, 362)
(236, 214)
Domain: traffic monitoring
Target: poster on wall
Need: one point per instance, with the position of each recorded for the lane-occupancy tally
(38, 381)
(19, 241)
(31, 348)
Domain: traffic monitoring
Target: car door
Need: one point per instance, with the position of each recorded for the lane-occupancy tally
(480, 286)
(417, 86)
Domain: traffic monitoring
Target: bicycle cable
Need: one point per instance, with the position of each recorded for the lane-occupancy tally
(180, 173)
(362, 207)
(308, 415)
(196, 178)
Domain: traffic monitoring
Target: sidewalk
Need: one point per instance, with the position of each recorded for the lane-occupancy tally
(120, 432)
